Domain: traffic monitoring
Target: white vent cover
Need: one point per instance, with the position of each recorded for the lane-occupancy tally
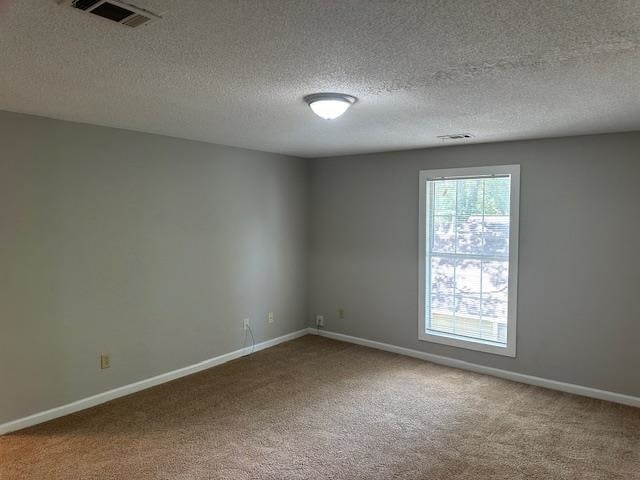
(455, 136)
(114, 10)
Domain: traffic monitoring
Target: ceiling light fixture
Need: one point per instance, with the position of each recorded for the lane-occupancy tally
(329, 105)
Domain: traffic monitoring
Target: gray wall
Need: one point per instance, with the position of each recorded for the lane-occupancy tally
(149, 248)
(579, 268)
(153, 249)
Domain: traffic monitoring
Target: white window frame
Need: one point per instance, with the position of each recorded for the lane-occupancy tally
(450, 339)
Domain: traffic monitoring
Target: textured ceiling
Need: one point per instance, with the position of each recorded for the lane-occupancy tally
(235, 72)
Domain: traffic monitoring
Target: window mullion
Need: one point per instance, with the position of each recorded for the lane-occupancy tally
(481, 261)
(431, 230)
(455, 264)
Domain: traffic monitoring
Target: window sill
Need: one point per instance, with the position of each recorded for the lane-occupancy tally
(508, 350)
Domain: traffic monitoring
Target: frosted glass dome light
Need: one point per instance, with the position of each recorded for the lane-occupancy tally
(329, 105)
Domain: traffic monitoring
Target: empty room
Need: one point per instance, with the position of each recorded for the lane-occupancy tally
(319, 239)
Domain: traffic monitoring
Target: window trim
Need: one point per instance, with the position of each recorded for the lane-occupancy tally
(514, 223)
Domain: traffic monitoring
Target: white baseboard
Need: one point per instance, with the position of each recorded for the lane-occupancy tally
(495, 372)
(212, 362)
(141, 385)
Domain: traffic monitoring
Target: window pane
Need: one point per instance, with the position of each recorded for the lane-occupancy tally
(469, 234)
(441, 318)
(469, 196)
(495, 277)
(442, 275)
(497, 196)
(496, 236)
(442, 304)
(444, 197)
(495, 307)
(444, 235)
(467, 306)
(468, 277)
(468, 319)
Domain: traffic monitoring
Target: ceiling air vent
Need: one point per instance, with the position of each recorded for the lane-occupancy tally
(114, 10)
(455, 136)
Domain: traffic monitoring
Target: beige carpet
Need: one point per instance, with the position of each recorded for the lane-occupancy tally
(317, 408)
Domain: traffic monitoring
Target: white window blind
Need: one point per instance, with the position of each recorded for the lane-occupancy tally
(467, 255)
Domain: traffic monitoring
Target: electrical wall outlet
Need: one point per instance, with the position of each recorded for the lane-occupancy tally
(245, 324)
(270, 317)
(105, 361)
(341, 313)
(319, 320)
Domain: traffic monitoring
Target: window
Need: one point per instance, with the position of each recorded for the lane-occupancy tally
(469, 257)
